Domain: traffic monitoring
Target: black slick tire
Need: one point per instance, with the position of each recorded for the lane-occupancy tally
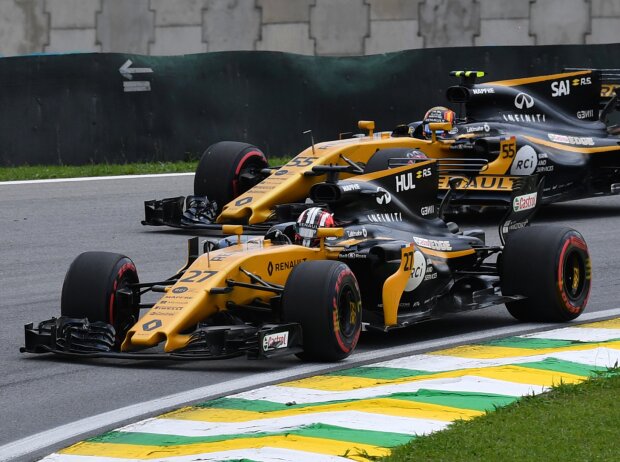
(89, 291)
(550, 265)
(227, 169)
(324, 297)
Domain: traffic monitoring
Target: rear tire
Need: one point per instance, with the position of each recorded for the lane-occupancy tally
(89, 291)
(227, 169)
(550, 265)
(323, 296)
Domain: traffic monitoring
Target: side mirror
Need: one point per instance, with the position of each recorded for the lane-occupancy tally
(367, 125)
(322, 233)
(329, 232)
(434, 126)
(233, 229)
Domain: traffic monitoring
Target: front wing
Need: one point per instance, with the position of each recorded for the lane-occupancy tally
(80, 338)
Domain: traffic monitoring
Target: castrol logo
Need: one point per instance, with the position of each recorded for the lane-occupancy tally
(525, 202)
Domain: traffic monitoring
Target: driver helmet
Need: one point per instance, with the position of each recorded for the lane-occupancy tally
(437, 114)
(309, 222)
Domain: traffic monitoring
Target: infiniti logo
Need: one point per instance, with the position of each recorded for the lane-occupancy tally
(523, 99)
(383, 197)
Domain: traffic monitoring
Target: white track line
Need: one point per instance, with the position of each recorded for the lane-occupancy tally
(73, 430)
(93, 178)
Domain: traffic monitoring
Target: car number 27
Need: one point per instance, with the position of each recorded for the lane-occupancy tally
(198, 276)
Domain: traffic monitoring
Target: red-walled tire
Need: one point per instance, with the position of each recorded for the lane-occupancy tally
(89, 291)
(227, 169)
(323, 296)
(550, 265)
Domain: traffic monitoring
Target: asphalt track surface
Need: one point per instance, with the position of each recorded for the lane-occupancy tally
(44, 226)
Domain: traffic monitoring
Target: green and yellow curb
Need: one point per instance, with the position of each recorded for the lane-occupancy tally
(362, 412)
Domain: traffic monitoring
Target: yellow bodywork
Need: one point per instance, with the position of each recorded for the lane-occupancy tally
(191, 300)
(289, 184)
(395, 285)
(203, 291)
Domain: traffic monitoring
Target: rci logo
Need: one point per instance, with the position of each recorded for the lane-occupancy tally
(523, 99)
(179, 290)
(270, 268)
(151, 325)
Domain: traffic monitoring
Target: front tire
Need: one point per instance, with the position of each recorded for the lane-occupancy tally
(324, 297)
(550, 265)
(90, 291)
(227, 169)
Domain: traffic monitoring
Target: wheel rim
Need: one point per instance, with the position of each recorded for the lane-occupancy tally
(348, 312)
(122, 317)
(250, 165)
(574, 275)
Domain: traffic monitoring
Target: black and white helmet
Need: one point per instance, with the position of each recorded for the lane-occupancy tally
(309, 222)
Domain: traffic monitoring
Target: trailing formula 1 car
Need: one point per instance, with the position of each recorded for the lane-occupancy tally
(366, 250)
(560, 127)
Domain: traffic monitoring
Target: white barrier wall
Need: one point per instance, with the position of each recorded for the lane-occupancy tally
(311, 27)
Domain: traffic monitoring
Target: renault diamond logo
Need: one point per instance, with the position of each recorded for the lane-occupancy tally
(523, 99)
(270, 268)
(383, 197)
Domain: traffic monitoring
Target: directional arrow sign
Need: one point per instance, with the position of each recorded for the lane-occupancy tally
(135, 85)
(126, 70)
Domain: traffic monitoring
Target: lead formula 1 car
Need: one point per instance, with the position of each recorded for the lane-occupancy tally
(559, 127)
(369, 250)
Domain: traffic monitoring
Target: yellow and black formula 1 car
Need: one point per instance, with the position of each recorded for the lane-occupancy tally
(369, 250)
(559, 127)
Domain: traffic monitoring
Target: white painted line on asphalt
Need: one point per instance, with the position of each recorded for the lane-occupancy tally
(94, 178)
(72, 430)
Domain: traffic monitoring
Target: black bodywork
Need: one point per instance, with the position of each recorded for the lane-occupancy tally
(567, 130)
(452, 271)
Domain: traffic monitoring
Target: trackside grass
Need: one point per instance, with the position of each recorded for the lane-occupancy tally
(570, 423)
(41, 172)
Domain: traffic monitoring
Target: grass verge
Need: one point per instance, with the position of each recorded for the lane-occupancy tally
(571, 422)
(40, 172)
